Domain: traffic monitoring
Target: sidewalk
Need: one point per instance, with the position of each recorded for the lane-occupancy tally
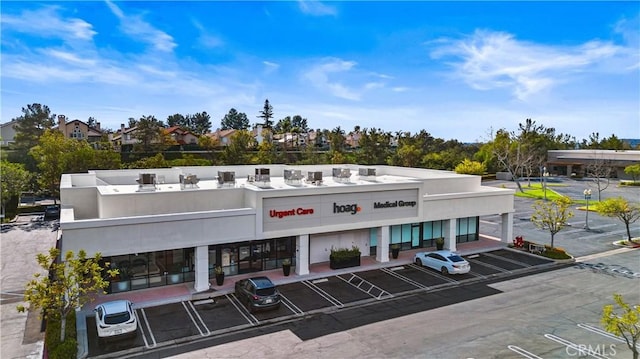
(181, 292)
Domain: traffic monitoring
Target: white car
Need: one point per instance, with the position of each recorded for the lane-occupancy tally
(444, 261)
(115, 318)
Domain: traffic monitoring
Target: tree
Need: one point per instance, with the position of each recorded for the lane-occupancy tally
(236, 153)
(49, 154)
(599, 170)
(200, 123)
(633, 171)
(72, 281)
(35, 119)
(13, 180)
(512, 155)
(470, 167)
(266, 114)
(209, 144)
(625, 324)
(374, 147)
(178, 120)
(234, 120)
(618, 207)
(552, 215)
(148, 133)
(92, 122)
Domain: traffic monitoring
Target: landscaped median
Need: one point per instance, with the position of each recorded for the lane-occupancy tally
(555, 253)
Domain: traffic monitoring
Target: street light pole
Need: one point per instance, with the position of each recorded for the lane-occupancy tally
(544, 182)
(587, 197)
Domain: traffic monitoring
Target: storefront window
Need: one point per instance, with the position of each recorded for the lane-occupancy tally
(153, 269)
(467, 229)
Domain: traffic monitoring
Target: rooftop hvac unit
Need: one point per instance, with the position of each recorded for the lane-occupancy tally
(293, 177)
(226, 177)
(146, 182)
(147, 178)
(314, 177)
(189, 180)
(341, 175)
(261, 179)
(367, 172)
(262, 171)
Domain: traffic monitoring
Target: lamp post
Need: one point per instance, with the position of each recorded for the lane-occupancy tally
(544, 182)
(587, 197)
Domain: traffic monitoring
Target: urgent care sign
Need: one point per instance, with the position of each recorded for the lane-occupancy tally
(320, 210)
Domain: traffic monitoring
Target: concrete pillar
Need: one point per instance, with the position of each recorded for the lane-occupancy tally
(302, 254)
(202, 269)
(382, 249)
(450, 234)
(506, 234)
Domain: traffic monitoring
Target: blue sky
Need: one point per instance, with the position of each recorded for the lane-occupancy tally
(455, 69)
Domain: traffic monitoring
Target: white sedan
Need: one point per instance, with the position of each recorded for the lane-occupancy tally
(116, 318)
(444, 261)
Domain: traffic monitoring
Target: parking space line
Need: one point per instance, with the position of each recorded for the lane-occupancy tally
(292, 307)
(404, 279)
(144, 337)
(523, 352)
(579, 349)
(382, 293)
(323, 294)
(603, 333)
(507, 259)
(193, 309)
(236, 303)
(489, 266)
(433, 273)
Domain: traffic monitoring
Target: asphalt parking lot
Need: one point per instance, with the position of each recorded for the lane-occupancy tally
(189, 320)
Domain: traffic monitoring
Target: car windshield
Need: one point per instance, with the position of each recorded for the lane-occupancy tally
(266, 291)
(455, 258)
(117, 318)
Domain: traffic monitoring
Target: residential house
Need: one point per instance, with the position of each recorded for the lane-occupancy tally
(7, 133)
(182, 137)
(79, 130)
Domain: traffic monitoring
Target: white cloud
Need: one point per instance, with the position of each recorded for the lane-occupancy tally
(270, 66)
(489, 60)
(207, 39)
(47, 22)
(140, 30)
(319, 77)
(316, 8)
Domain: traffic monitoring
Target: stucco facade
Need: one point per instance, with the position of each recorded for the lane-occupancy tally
(269, 218)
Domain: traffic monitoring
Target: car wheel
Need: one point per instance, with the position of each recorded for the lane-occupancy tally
(418, 262)
(444, 270)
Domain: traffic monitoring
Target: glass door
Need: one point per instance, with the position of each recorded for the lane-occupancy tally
(415, 235)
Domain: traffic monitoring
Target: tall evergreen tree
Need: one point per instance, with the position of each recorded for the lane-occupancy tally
(234, 120)
(200, 123)
(266, 114)
(35, 119)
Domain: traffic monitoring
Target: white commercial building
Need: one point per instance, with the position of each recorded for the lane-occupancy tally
(173, 225)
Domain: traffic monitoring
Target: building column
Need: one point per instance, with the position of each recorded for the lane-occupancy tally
(382, 248)
(302, 254)
(450, 234)
(507, 227)
(202, 269)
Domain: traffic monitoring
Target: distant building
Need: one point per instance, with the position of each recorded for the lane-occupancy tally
(79, 130)
(575, 162)
(182, 137)
(7, 132)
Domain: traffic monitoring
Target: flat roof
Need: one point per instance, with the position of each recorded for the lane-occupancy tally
(275, 183)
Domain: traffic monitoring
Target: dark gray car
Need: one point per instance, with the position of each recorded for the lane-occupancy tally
(258, 293)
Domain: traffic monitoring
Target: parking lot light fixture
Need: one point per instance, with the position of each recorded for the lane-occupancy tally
(587, 197)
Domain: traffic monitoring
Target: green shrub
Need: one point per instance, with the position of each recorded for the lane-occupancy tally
(341, 254)
(555, 253)
(67, 350)
(58, 350)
